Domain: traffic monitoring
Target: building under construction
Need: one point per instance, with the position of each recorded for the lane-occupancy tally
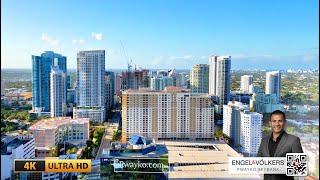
(135, 79)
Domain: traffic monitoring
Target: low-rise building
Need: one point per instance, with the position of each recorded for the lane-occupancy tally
(201, 160)
(50, 175)
(49, 132)
(15, 149)
(265, 103)
(23, 96)
(94, 113)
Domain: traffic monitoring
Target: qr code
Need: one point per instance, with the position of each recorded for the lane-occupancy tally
(296, 164)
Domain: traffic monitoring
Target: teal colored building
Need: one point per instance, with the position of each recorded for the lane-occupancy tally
(41, 68)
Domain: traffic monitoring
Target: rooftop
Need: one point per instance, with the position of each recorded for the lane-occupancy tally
(201, 159)
(53, 123)
(139, 140)
(13, 144)
(167, 90)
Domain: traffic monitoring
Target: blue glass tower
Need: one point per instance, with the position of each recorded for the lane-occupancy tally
(41, 67)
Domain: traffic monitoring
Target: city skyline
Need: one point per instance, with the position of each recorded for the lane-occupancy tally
(164, 35)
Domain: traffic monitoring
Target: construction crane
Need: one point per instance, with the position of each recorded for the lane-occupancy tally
(126, 57)
(127, 80)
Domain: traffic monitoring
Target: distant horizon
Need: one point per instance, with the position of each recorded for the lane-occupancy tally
(178, 69)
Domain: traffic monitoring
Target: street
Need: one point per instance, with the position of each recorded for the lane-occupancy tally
(111, 128)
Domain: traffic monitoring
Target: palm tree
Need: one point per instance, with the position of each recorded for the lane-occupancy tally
(217, 134)
(226, 138)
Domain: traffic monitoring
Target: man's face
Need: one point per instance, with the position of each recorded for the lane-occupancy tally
(277, 123)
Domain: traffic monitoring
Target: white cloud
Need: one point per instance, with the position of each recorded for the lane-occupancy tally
(53, 42)
(80, 41)
(45, 37)
(97, 36)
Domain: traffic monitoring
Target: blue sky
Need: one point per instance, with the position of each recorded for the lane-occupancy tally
(269, 34)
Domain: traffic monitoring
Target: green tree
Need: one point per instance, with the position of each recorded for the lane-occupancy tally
(315, 130)
(3, 129)
(306, 129)
(69, 151)
(10, 128)
(316, 171)
(54, 152)
(266, 128)
(291, 130)
(89, 143)
(96, 134)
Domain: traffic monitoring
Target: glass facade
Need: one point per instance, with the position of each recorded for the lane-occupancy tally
(41, 68)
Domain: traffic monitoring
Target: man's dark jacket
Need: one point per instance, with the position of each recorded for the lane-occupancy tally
(288, 144)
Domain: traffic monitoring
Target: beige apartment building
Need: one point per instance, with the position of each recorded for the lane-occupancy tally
(49, 132)
(173, 113)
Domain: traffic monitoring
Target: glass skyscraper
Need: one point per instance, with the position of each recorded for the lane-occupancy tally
(273, 83)
(41, 68)
(219, 78)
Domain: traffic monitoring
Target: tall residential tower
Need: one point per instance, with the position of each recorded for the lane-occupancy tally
(90, 85)
(199, 78)
(246, 81)
(58, 103)
(273, 83)
(219, 78)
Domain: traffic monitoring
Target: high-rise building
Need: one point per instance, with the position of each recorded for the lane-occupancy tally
(90, 85)
(175, 77)
(251, 132)
(182, 78)
(219, 79)
(232, 121)
(58, 92)
(163, 72)
(71, 100)
(110, 89)
(199, 78)
(254, 88)
(41, 68)
(118, 84)
(68, 81)
(141, 79)
(246, 81)
(135, 79)
(169, 114)
(160, 82)
(2, 88)
(273, 83)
